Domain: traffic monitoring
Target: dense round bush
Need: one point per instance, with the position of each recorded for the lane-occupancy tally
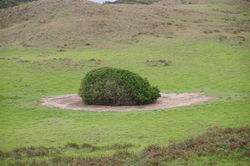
(112, 86)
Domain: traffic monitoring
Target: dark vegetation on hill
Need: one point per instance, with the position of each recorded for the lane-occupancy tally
(11, 3)
(223, 142)
(112, 86)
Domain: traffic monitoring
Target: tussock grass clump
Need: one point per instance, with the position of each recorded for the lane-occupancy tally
(90, 147)
(32, 151)
(214, 141)
(56, 154)
(164, 62)
(71, 145)
(111, 86)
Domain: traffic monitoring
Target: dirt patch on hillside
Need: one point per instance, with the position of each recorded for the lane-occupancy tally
(170, 100)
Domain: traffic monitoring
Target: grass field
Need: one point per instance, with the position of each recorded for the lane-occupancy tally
(216, 63)
(218, 69)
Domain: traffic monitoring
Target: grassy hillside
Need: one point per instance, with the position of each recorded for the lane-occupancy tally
(207, 42)
(11, 3)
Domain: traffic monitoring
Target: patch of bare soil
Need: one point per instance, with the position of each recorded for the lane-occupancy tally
(170, 100)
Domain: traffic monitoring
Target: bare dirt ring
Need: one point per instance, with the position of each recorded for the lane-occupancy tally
(169, 100)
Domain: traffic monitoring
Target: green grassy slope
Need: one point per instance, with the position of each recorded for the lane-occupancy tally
(42, 72)
(203, 59)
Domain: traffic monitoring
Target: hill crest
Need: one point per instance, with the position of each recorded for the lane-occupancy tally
(81, 22)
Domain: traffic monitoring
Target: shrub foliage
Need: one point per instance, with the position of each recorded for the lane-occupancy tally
(112, 86)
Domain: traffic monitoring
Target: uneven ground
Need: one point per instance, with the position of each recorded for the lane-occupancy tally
(207, 42)
(215, 147)
(169, 100)
(78, 23)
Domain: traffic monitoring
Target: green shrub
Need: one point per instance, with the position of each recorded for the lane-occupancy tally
(111, 86)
